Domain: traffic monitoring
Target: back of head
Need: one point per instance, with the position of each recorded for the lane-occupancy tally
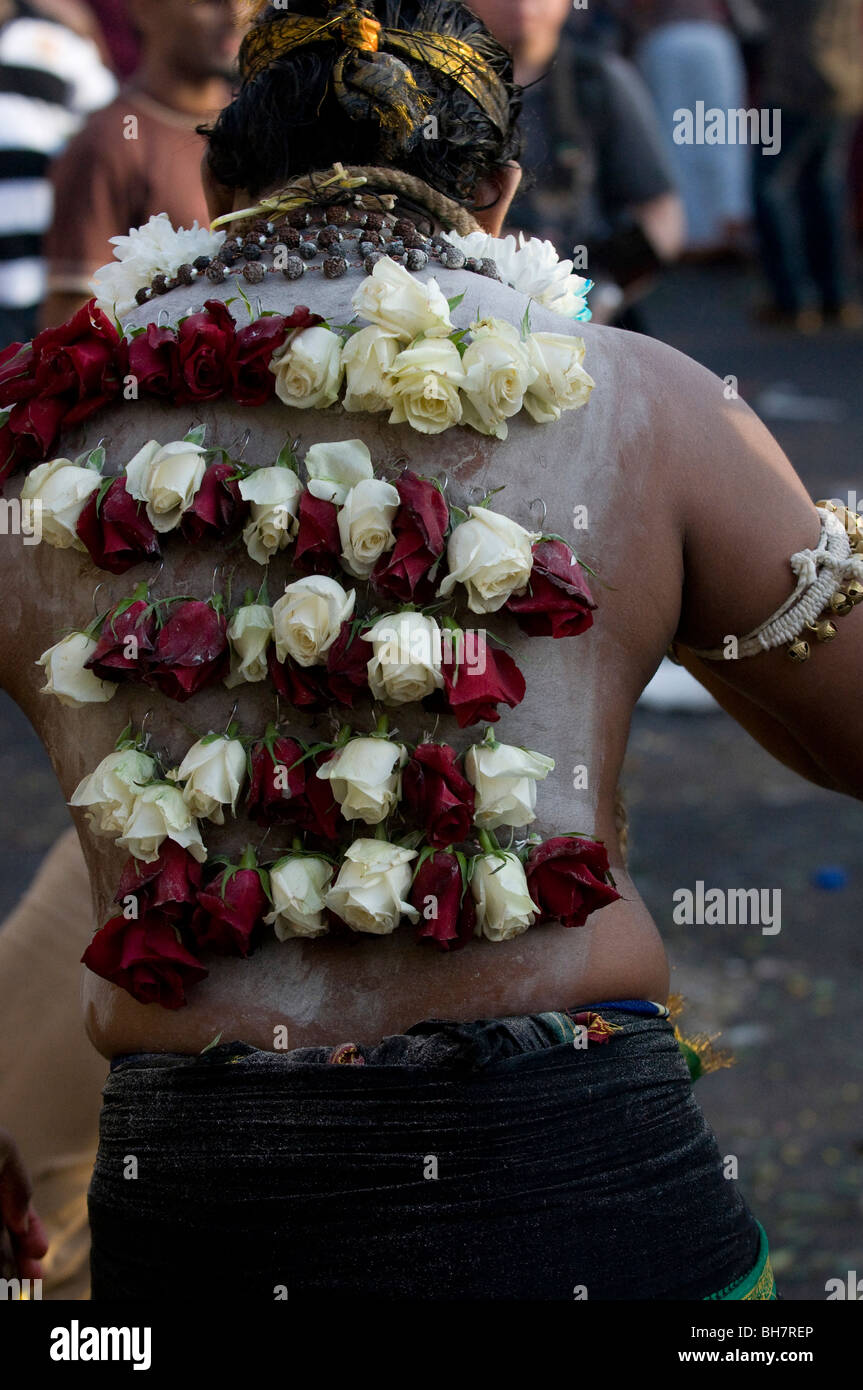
(416, 85)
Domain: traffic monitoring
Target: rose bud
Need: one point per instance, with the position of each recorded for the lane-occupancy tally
(170, 883)
(230, 908)
(369, 893)
(125, 645)
(35, 427)
(212, 772)
(252, 382)
(277, 780)
(365, 525)
(365, 776)
(191, 651)
(473, 689)
(61, 489)
(319, 812)
(68, 677)
(367, 357)
(206, 346)
(18, 363)
(217, 508)
(318, 543)
(405, 665)
(153, 361)
(505, 779)
(446, 915)
(108, 793)
(273, 495)
(557, 601)
(335, 469)
(145, 957)
(308, 618)
(504, 907)
(250, 632)
(299, 885)
(420, 527)
(302, 686)
(81, 359)
(347, 675)
(167, 477)
(116, 529)
(437, 795)
(159, 813)
(491, 556)
(567, 878)
(9, 461)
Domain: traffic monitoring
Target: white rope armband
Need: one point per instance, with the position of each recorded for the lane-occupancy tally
(829, 585)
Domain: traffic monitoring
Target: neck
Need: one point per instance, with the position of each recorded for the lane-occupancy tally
(190, 97)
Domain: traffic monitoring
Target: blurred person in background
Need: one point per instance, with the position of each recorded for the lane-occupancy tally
(141, 155)
(599, 178)
(120, 36)
(812, 70)
(51, 78)
(688, 52)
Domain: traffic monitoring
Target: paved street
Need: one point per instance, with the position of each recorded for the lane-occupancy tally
(706, 804)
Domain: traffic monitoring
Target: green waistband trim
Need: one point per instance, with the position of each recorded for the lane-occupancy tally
(759, 1284)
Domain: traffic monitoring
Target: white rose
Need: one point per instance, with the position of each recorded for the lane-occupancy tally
(365, 778)
(504, 907)
(498, 374)
(406, 658)
(365, 525)
(426, 381)
(308, 617)
(167, 478)
(371, 887)
(158, 813)
(400, 304)
(308, 371)
(334, 469)
(250, 632)
(274, 494)
(367, 357)
(491, 555)
(505, 778)
(561, 382)
(60, 490)
(67, 678)
(213, 773)
(298, 886)
(109, 791)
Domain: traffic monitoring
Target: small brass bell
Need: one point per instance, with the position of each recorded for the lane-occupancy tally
(854, 590)
(841, 603)
(824, 630)
(799, 651)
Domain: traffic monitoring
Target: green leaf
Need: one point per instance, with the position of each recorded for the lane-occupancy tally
(215, 1043)
(287, 456)
(245, 300)
(103, 488)
(456, 300)
(196, 435)
(525, 322)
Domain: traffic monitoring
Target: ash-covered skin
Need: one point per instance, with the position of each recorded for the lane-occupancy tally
(580, 691)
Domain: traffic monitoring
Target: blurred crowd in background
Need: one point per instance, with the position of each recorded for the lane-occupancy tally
(100, 100)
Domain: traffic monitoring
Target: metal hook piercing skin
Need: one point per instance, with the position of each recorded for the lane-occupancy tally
(95, 592)
(233, 713)
(542, 503)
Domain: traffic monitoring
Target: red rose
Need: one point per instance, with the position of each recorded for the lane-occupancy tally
(347, 666)
(438, 795)
(154, 361)
(80, 359)
(268, 801)
(473, 694)
(17, 374)
(147, 958)
(170, 884)
(557, 601)
(252, 382)
(318, 544)
(566, 878)
(116, 530)
(35, 426)
(218, 508)
(419, 527)
(302, 686)
(447, 915)
(109, 661)
(191, 651)
(229, 909)
(9, 460)
(205, 354)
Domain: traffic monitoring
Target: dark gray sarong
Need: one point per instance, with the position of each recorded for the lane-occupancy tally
(485, 1160)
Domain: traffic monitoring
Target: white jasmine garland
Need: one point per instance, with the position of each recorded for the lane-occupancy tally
(308, 617)
(298, 885)
(367, 358)
(505, 779)
(107, 793)
(159, 812)
(212, 773)
(372, 884)
(504, 907)
(406, 658)
(399, 303)
(308, 370)
(166, 477)
(274, 495)
(365, 778)
(250, 632)
(335, 468)
(152, 249)
(491, 555)
(365, 525)
(66, 677)
(60, 490)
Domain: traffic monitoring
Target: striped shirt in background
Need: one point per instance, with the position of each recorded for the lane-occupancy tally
(50, 80)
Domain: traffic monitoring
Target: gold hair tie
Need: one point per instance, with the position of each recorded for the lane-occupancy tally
(360, 31)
